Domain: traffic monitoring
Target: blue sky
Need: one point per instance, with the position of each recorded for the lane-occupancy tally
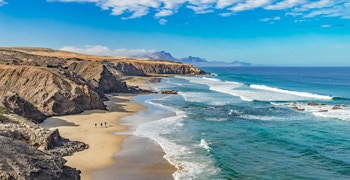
(271, 32)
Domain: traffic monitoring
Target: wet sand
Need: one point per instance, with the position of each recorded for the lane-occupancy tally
(138, 158)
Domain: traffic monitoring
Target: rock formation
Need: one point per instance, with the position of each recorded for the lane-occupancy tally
(31, 152)
(39, 82)
(48, 91)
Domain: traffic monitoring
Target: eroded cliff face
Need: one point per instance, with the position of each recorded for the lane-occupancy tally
(27, 89)
(31, 152)
(38, 82)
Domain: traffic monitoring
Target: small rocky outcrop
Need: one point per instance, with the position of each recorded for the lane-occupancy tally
(336, 107)
(169, 92)
(312, 104)
(298, 108)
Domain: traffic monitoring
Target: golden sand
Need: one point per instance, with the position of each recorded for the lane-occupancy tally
(103, 143)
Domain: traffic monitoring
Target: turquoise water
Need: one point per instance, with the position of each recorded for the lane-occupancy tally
(243, 123)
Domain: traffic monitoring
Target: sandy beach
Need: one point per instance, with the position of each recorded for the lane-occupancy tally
(102, 140)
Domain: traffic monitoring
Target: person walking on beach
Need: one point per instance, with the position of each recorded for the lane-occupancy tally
(95, 124)
(106, 124)
(101, 124)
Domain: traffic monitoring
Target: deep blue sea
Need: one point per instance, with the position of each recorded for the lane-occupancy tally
(254, 123)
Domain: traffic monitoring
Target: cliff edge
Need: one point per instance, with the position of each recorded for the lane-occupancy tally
(38, 82)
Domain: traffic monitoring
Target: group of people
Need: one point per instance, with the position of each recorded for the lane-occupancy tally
(105, 123)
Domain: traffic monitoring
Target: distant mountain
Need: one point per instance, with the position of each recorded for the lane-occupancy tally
(193, 60)
(196, 61)
(161, 55)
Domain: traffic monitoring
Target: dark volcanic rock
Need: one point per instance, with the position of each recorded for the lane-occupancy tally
(169, 92)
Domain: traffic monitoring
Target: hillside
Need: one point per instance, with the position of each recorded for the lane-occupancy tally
(40, 82)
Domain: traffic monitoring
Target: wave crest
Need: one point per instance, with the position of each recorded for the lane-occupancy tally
(296, 93)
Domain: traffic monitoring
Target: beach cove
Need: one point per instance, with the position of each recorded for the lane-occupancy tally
(104, 144)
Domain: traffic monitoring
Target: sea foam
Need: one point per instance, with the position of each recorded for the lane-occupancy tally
(204, 145)
(254, 92)
(296, 93)
(177, 155)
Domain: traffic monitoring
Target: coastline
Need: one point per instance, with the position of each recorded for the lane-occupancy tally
(140, 157)
(103, 142)
(113, 150)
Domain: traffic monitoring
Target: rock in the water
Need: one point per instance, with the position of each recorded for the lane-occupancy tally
(169, 92)
(312, 104)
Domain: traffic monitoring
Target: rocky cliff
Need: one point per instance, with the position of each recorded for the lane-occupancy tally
(28, 90)
(36, 83)
(39, 82)
(31, 152)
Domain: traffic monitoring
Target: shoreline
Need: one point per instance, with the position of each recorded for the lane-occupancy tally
(105, 144)
(140, 157)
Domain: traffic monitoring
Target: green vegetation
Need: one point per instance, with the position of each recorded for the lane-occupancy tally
(3, 111)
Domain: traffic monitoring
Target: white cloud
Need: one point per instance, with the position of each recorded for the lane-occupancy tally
(2, 2)
(319, 4)
(326, 26)
(202, 9)
(285, 4)
(277, 18)
(79, 1)
(227, 14)
(265, 19)
(250, 4)
(164, 13)
(220, 4)
(105, 51)
(163, 21)
(129, 9)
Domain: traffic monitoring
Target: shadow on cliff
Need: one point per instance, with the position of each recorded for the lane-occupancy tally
(54, 121)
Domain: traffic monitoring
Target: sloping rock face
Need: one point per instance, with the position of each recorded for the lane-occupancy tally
(36, 83)
(22, 107)
(31, 152)
(50, 92)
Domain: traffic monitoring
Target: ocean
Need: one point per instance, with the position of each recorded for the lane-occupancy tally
(253, 123)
